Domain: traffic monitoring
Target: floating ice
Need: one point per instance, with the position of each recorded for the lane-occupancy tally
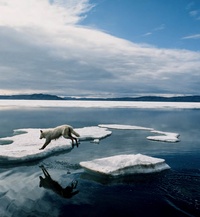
(124, 127)
(92, 133)
(96, 141)
(120, 165)
(166, 136)
(26, 144)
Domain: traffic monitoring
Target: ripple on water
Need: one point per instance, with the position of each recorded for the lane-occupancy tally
(182, 191)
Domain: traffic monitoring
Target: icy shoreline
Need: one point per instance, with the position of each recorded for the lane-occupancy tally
(97, 104)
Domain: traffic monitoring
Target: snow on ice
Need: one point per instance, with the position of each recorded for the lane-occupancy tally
(124, 127)
(165, 137)
(125, 165)
(26, 143)
(97, 104)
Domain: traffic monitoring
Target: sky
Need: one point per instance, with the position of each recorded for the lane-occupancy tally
(100, 48)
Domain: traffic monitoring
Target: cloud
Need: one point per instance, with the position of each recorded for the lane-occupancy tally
(156, 29)
(44, 48)
(159, 28)
(196, 36)
(40, 13)
(148, 33)
(193, 11)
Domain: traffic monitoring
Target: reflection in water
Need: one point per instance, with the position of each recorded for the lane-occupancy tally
(48, 183)
(173, 193)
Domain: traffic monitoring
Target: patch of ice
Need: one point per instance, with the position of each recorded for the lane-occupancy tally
(25, 147)
(96, 141)
(120, 165)
(95, 132)
(166, 136)
(124, 127)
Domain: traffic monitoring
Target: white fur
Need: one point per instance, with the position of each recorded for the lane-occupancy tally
(54, 133)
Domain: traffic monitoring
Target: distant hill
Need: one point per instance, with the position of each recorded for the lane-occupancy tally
(194, 98)
(166, 99)
(31, 97)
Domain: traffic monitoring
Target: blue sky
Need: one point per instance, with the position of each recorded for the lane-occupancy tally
(163, 23)
(100, 47)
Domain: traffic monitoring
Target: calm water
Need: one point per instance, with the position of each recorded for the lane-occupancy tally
(175, 192)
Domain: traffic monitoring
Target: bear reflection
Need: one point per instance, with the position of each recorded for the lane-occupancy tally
(48, 183)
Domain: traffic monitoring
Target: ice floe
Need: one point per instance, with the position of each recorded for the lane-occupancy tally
(120, 165)
(165, 137)
(124, 127)
(93, 133)
(26, 143)
(96, 141)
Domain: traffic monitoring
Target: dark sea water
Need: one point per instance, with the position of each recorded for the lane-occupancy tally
(175, 192)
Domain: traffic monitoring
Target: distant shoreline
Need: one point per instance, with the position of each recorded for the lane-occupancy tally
(11, 103)
(192, 98)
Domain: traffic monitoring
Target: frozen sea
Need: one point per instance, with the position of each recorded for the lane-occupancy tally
(167, 131)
